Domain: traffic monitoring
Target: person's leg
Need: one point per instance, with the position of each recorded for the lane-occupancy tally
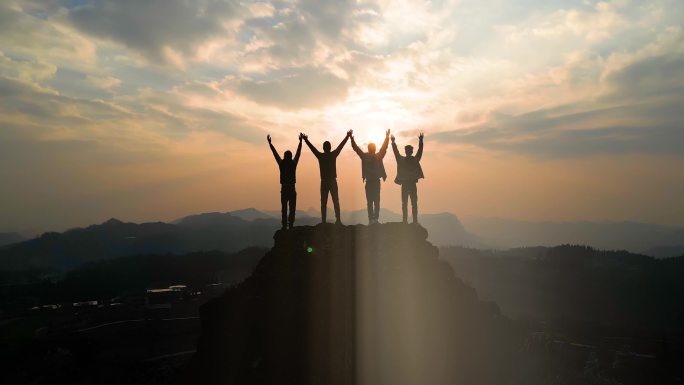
(373, 199)
(293, 207)
(376, 200)
(324, 200)
(283, 205)
(369, 201)
(404, 201)
(336, 199)
(414, 202)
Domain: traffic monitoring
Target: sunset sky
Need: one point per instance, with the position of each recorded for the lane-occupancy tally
(151, 110)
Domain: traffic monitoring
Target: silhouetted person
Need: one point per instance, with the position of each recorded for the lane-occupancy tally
(288, 178)
(372, 170)
(327, 160)
(408, 173)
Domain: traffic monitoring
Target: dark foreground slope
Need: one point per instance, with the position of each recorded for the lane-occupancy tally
(353, 304)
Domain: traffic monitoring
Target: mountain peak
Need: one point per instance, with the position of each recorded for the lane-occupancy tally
(112, 222)
(247, 210)
(250, 214)
(208, 220)
(351, 304)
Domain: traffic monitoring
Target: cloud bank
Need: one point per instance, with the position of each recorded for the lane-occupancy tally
(195, 86)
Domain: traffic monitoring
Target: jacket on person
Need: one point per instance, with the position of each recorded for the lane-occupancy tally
(408, 167)
(372, 166)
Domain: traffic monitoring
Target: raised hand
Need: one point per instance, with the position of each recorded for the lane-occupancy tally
(350, 133)
(387, 133)
(268, 137)
(393, 138)
(305, 136)
(301, 136)
(421, 136)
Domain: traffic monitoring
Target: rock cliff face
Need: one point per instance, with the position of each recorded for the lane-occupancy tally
(353, 305)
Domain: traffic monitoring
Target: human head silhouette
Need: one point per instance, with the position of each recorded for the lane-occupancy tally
(409, 150)
(326, 146)
(371, 148)
(288, 155)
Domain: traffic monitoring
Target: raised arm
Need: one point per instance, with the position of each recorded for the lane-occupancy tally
(419, 154)
(383, 149)
(395, 150)
(299, 149)
(273, 150)
(355, 147)
(344, 141)
(311, 146)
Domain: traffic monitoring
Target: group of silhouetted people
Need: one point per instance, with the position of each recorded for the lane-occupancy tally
(372, 170)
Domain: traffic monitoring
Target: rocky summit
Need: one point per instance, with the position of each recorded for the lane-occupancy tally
(357, 304)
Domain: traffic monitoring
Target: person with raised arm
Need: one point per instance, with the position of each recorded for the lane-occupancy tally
(327, 162)
(288, 178)
(372, 170)
(408, 174)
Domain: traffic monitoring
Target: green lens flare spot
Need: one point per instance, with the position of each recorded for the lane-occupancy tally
(309, 249)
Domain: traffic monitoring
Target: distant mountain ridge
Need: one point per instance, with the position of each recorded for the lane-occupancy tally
(228, 232)
(444, 228)
(649, 239)
(248, 214)
(236, 230)
(114, 238)
(447, 229)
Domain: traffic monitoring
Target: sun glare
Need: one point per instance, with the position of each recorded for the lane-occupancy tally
(375, 135)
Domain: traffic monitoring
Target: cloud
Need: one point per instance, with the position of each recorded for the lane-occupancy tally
(26, 70)
(33, 112)
(329, 17)
(641, 114)
(650, 72)
(103, 82)
(42, 113)
(595, 25)
(157, 28)
(302, 34)
(49, 40)
(116, 80)
(299, 88)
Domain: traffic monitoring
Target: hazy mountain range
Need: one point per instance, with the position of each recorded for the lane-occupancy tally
(236, 230)
(114, 238)
(650, 239)
(443, 228)
(579, 283)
